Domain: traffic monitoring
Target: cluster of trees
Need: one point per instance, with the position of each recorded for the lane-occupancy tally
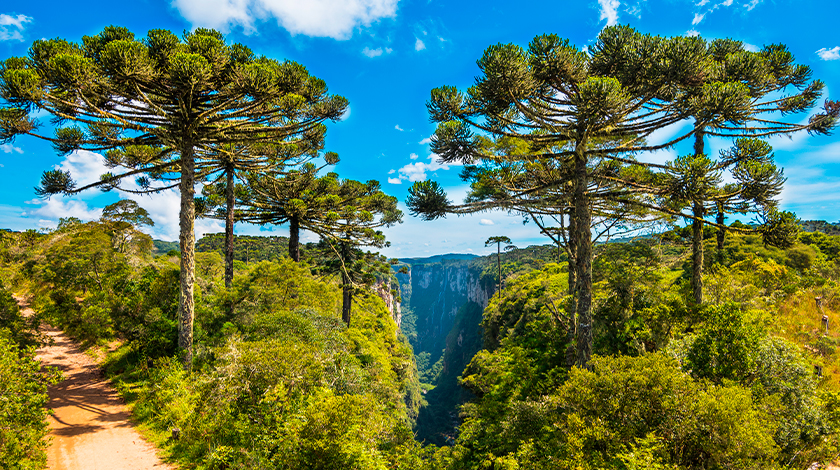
(170, 112)
(278, 379)
(555, 133)
(671, 385)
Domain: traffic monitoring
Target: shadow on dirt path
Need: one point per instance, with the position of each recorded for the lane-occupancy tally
(90, 428)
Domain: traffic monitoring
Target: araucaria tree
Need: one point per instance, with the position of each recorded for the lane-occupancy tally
(565, 101)
(346, 214)
(498, 241)
(741, 95)
(590, 113)
(154, 105)
(225, 165)
(299, 198)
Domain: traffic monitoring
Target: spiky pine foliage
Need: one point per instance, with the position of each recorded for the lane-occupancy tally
(154, 105)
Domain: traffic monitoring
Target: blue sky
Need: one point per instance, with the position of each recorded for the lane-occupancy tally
(385, 56)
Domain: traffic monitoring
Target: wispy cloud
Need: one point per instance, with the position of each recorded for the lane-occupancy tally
(11, 27)
(698, 17)
(414, 156)
(336, 19)
(394, 180)
(752, 4)
(427, 140)
(419, 45)
(829, 54)
(376, 52)
(692, 33)
(609, 11)
(417, 171)
(9, 148)
(397, 127)
(485, 222)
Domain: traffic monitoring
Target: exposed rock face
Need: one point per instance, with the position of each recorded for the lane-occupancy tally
(389, 293)
(444, 302)
(435, 292)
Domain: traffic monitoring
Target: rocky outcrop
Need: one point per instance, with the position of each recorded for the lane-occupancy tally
(435, 292)
(389, 293)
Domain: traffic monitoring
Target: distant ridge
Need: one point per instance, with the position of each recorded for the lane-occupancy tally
(439, 258)
(828, 228)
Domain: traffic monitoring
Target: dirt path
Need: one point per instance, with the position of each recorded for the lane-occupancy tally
(90, 427)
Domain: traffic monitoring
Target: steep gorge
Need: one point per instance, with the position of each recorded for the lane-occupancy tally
(443, 301)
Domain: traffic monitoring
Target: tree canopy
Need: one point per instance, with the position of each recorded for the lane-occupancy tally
(154, 106)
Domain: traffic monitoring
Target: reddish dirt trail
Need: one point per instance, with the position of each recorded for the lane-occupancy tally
(90, 427)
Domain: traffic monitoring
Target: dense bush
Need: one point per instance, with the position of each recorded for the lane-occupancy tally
(23, 392)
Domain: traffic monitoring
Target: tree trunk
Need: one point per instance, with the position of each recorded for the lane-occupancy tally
(229, 193)
(583, 263)
(697, 228)
(499, 265)
(572, 307)
(346, 302)
(697, 254)
(721, 235)
(347, 288)
(186, 303)
(294, 239)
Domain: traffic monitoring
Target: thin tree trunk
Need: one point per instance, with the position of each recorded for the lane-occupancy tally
(697, 228)
(294, 239)
(697, 253)
(229, 193)
(721, 234)
(186, 304)
(583, 263)
(347, 288)
(347, 302)
(499, 265)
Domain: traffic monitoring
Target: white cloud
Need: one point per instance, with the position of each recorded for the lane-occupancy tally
(727, 3)
(751, 47)
(397, 127)
(691, 33)
(418, 45)
(829, 54)
(609, 11)
(57, 207)
(702, 2)
(414, 156)
(11, 27)
(84, 166)
(392, 172)
(427, 140)
(394, 180)
(416, 171)
(698, 17)
(345, 115)
(376, 52)
(752, 4)
(319, 18)
(9, 148)
(485, 222)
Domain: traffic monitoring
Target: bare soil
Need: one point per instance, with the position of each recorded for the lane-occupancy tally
(90, 428)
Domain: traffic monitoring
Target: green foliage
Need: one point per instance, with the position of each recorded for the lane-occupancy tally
(725, 347)
(23, 391)
(296, 388)
(624, 412)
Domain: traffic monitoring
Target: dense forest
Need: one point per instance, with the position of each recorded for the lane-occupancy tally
(648, 333)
